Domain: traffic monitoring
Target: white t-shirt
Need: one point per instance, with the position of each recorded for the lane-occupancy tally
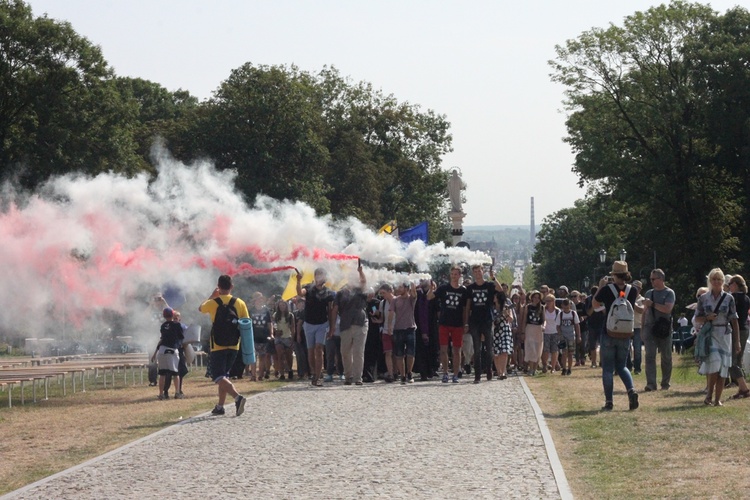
(550, 321)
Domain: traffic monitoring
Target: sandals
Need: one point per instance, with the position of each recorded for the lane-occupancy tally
(742, 394)
(707, 402)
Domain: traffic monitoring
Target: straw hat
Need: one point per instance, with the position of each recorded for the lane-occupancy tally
(619, 267)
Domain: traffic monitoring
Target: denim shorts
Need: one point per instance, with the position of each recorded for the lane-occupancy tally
(221, 363)
(285, 341)
(315, 334)
(404, 341)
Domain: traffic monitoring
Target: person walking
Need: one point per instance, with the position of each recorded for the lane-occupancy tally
(454, 315)
(657, 307)
(482, 300)
(718, 307)
(614, 347)
(318, 303)
(224, 310)
(350, 306)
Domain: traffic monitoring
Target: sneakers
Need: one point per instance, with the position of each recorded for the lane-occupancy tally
(455, 379)
(179, 395)
(648, 388)
(239, 405)
(291, 375)
(282, 377)
(410, 378)
(160, 397)
(467, 369)
(477, 379)
(489, 376)
(388, 379)
(348, 381)
(608, 406)
(633, 399)
(358, 382)
(403, 380)
(166, 395)
(445, 378)
(328, 378)
(217, 410)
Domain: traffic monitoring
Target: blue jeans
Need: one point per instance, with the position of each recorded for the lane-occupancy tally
(614, 354)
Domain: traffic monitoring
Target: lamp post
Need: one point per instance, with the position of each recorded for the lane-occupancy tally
(586, 283)
(602, 262)
(623, 255)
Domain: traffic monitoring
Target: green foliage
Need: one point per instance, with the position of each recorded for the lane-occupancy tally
(60, 110)
(343, 148)
(645, 99)
(505, 275)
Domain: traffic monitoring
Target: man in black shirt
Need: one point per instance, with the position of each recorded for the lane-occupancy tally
(454, 315)
(480, 305)
(318, 304)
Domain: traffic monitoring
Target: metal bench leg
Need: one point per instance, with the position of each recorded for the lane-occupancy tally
(22, 401)
(46, 388)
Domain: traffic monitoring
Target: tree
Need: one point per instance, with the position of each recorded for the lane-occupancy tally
(637, 126)
(59, 110)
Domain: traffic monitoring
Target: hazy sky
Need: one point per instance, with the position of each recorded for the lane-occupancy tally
(483, 64)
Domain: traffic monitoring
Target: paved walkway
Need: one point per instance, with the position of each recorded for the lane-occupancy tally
(421, 440)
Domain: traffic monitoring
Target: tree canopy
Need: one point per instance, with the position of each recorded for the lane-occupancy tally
(658, 121)
(345, 148)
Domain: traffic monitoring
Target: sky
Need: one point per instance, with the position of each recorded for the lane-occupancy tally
(482, 64)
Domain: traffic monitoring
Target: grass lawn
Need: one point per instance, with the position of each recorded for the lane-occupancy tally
(671, 447)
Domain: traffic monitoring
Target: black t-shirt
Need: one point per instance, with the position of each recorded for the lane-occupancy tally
(317, 302)
(742, 302)
(171, 334)
(261, 321)
(452, 304)
(606, 297)
(482, 302)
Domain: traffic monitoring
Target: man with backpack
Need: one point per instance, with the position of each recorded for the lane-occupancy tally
(657, 330)
(225, 311)
(618, 299)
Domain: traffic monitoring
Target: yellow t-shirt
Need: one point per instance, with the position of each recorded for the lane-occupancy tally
(209, 307)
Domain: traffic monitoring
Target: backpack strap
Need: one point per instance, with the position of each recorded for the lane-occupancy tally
(218, 301)
(232, 301)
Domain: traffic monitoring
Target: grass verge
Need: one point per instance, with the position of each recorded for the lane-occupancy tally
(671, 447)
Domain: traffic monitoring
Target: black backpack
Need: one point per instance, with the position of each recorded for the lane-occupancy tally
(225, 330)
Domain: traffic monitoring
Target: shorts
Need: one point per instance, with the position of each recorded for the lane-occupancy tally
(404, 341)
(550, 342)
(315, 334)
(570, 340)
(221, 363)
(453, 333)
(260, 348)
(387, 341)
(285, 341)
(168, 360)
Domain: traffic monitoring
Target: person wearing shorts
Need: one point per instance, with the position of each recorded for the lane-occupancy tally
(453, 299)
(568, 327)
(318, 304)
(222, 357)
(551, 339)
(404, 328)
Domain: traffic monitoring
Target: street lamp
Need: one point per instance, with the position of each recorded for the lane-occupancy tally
(623, 255)
(586, 282)
(602, 256)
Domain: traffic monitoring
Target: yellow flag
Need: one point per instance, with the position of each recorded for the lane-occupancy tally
(291, 287)
(388, 228)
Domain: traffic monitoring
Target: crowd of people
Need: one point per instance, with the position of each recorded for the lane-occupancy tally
(476, 325)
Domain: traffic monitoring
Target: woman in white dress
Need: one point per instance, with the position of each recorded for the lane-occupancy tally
(718, 307)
